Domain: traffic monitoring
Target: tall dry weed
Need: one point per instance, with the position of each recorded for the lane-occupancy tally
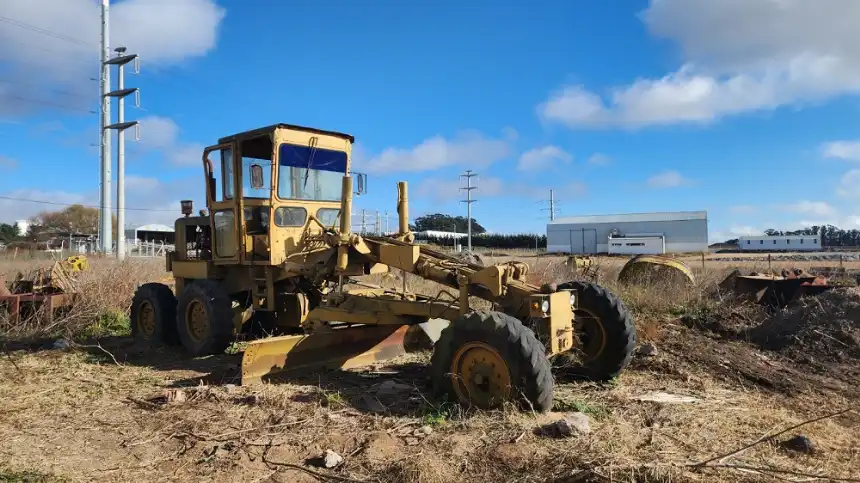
(101, 302)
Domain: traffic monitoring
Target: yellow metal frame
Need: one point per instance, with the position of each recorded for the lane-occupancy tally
(319, 253)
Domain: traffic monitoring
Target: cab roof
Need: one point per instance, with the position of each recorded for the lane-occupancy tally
(269, 129)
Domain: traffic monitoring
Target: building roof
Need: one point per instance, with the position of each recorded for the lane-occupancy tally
(154, 227)
(776, 237)
(632, 217)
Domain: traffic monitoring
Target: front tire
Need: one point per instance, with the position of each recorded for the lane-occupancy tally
(204, 318)
(606, 333)
(153, 314)
(486, 358)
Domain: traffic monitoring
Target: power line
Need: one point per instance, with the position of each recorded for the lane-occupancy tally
(7, 39)
(42, 62)
(49, 103)
(40, 30)
(57, 91)
(45, 202)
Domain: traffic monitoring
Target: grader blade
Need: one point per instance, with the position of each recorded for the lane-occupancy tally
(656, 269)
(345, 348)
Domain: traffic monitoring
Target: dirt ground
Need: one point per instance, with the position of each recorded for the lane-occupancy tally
(709, 381)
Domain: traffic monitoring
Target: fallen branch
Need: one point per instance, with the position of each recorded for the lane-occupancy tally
(99, 347)
(766, 470)
(144, 404)
(315, 474)
(220, 437)
(736, 452)
(9, 356)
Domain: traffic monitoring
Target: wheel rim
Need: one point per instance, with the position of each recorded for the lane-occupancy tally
(146, 318)
(591, 334)
(197, 320)
(480, 375)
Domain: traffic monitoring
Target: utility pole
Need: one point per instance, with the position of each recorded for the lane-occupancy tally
(468, 175)
(120, 126)
(386, 222)
(551, 205)
(363, 224)
(105, 228)
(378, 223)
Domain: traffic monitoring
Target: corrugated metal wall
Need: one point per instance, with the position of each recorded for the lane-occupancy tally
(681, 235)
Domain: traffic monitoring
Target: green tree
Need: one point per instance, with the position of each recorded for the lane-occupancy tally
(8, 232)
(75, 218)
(443, 222)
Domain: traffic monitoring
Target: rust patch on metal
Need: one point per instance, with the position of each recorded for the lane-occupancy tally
(345, 348)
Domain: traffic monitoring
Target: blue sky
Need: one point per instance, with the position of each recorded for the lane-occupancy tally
(745, 109)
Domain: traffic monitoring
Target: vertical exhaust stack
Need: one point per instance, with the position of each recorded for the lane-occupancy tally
(403, 212)
(345, 222)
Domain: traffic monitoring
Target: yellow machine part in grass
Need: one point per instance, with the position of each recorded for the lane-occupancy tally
(661, 269)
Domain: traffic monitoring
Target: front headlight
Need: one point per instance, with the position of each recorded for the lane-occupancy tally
(544, 306)
(572, 299)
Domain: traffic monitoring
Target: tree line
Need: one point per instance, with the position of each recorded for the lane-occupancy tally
(76, 219)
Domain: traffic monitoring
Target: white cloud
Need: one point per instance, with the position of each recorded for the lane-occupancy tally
(847, 150)
(668, 179)
(849, 185)
(445, 190)
(442, 190)
(54, 44)
(162, 134)
(738, 56)
(24, 204)
(598, 159)
(742, 209)
(468, 148)
(7, 162)
(542, 158)
(148, 200)
(814, 208)
(733, 231)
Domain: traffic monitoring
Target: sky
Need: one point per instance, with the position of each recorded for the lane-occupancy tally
(744, 108)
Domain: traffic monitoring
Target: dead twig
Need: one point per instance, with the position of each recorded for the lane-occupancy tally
(99, 347)
(15, 365)
(222, 436)
(144, 404)
(766, 470)
(315, 474)
(736, 452)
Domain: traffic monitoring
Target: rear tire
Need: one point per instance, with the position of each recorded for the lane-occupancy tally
(605, 330)
(153, 315)
(485, 358)
(204, 318)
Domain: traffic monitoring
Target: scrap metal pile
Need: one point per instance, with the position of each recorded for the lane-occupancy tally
(46, 290)
(776, 290)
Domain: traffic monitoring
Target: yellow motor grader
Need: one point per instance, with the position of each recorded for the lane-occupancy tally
(273, 260)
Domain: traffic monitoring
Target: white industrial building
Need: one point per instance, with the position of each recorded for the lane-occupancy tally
(799, 243)
(23, 227)
(152, 232)
(634, 233)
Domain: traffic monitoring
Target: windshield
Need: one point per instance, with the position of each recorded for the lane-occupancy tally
(309, 173)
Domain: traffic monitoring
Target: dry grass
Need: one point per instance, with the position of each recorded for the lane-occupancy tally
(80, 416)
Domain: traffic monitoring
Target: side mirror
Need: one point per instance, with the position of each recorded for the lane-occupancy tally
(256, 176)
(360, 183)
(187, 207)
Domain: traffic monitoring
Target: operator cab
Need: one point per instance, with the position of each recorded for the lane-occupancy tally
(277, 177)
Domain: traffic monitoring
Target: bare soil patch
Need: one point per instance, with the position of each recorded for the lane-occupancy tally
(707, 388)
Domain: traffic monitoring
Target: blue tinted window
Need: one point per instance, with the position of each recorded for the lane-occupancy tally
(310, 173)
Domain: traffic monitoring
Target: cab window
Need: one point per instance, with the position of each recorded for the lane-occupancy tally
(310, 173)
(256, 151)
